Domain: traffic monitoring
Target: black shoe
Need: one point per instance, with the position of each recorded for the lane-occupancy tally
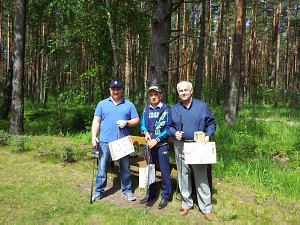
(144, 200)
(163, 203)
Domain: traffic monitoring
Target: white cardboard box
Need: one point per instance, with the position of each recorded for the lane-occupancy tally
(144, 182)
(120, 148)
(200, 153)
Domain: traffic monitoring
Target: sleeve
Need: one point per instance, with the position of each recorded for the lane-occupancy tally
(143, 126)
(133, 111)
(171, 127)
(98, 110)
(210, 122)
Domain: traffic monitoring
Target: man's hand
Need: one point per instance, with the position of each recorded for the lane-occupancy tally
(121, 123)
(206, 139)
(147, 136)
(152, 143)
(95, 141)
(179, 135)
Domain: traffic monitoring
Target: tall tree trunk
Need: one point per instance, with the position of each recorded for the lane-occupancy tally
(218, 54)
(7, 92)
(277, 62)
(8, 38)
(175, 57)
(296, 79)
(1, 57)
(237, 54)
(227, 57)
(209, 50)
(200, 57)
(287, 59)
(196, 9)
(252, 51)
(272, 47)
(113, 40)
(176, 54)
(127, 63)
(159, 53)
(242, 74)
(265, 75)
(17, 119)
(185, 25)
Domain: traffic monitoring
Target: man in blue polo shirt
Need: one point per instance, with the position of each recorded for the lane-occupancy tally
(188, 116)
(154, 125)
(112, 119)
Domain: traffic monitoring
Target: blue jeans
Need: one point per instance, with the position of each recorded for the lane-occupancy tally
(103, 166)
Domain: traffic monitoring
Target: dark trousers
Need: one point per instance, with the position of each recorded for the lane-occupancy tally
(160, 157)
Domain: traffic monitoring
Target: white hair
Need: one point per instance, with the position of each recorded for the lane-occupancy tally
(189, 84)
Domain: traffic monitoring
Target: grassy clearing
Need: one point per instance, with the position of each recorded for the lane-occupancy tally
(256, 177)
(38, 191)
(263, 151)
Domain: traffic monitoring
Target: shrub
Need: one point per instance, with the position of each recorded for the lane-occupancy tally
(19, 141)
(4, 138)
(67, 154)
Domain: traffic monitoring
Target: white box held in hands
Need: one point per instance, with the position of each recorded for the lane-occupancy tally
(200, 153)
(120, 148)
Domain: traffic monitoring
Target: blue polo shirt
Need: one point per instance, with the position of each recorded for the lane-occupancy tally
(197, 117)
(110, 114)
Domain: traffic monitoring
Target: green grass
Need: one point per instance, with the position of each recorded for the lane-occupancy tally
(262, 148)
(257, 174)
(36, 190)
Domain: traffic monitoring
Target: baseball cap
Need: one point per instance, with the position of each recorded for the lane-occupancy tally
(116, 84)
(155, 88)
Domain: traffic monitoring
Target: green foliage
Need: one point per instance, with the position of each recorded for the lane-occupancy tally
(83, 137)
(4, 124)
(58, 149)
(261, 147)
(4, 138)
(20, 141)
(60, 117)
(67, 154)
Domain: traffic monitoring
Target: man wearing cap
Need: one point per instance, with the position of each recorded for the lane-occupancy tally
(154, 124)
(188, 116)
(112, 119)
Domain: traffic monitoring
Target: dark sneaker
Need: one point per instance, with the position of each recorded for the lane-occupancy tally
(97, 196)
(163, 203)
(129, 195)
(144, 200)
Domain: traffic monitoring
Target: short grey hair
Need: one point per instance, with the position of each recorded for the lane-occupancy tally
(189, 84)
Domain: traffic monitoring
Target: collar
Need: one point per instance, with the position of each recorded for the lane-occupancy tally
(160, 104)
(122, 100)
(190, 104)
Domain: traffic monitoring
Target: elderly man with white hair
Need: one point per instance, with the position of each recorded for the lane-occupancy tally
(188, 116)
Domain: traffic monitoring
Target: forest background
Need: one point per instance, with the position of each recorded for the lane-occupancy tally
(58, 57)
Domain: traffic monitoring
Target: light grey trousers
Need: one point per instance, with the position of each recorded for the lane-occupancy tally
(185, 182)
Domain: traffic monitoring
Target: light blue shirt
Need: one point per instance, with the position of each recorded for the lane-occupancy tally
(110, 113)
